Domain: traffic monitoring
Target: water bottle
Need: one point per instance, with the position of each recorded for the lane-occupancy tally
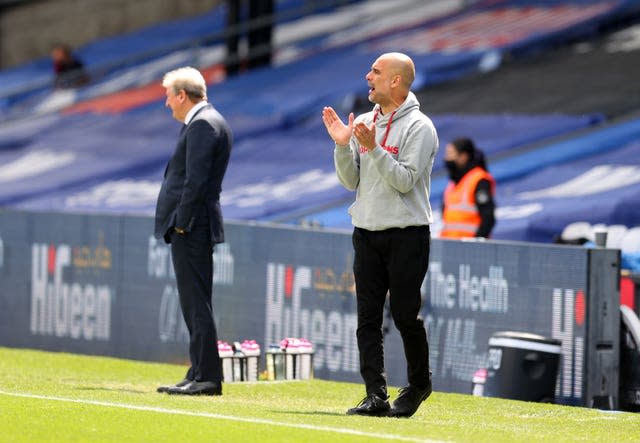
(271, 356)
(306, 359)
(226, 353)
(239, 363)
(251, 350)
(279, 364)
(291, 348)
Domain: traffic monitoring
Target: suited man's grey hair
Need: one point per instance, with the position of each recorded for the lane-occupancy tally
(189, 79)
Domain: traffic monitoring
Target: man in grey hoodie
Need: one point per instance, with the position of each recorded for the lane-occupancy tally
(386, 156)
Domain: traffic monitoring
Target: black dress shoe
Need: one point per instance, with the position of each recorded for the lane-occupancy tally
(197, 388)
(409, 400)
(166, 388)
(372, 405)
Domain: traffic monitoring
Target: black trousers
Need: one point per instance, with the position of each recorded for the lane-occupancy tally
(394, 261)
(193, 264)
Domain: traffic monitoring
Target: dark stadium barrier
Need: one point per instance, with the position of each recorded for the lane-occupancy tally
(103, 285)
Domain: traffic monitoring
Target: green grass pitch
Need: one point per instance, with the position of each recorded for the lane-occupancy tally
(57, 397)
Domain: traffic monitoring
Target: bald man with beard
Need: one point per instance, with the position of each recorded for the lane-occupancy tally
(386, 156)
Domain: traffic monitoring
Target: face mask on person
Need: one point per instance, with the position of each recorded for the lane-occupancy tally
(455, 173)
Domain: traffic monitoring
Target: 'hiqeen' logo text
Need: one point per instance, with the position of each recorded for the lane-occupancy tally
(62, 307)
(308, 302)
(568, 315)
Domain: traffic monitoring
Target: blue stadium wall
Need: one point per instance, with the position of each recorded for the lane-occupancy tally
(103, 285)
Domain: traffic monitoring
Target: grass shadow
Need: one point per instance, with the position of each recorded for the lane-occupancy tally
(93, 388)
(332, 414)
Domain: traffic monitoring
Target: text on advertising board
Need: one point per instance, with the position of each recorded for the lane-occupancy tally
(62, 307)
(332, 332)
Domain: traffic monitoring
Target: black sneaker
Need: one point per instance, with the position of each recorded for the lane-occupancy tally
(409, 400)
(372, 405)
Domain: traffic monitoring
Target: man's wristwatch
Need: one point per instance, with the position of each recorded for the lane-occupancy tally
(179, 230)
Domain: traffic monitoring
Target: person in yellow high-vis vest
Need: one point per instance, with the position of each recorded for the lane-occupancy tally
(468, 205)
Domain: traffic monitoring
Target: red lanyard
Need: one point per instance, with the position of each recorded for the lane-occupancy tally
(386, 133)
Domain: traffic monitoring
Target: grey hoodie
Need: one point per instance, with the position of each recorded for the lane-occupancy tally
(392, 181)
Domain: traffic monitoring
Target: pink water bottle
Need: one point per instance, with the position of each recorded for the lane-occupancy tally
(226, 356)
(251, 350)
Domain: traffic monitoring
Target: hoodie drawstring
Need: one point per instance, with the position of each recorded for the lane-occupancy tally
(386, 133)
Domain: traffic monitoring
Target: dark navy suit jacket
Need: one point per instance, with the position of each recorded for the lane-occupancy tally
(193, 177)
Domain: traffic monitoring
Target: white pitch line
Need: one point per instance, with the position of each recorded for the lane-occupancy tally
(220, 417)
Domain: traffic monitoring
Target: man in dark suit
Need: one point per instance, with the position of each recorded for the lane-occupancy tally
(188, 216)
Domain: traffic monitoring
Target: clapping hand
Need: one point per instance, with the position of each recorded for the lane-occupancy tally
(339, 132)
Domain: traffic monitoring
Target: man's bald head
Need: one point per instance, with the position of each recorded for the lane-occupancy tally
(402, 65)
